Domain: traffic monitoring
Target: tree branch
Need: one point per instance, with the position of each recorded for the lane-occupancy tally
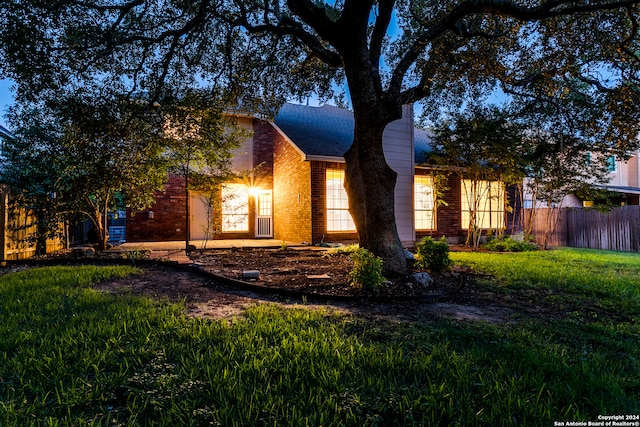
(450, 22)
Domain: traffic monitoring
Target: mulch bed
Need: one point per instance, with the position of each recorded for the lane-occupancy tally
(313, 272)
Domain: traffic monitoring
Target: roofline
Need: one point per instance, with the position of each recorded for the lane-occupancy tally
(4, 132)
(620, 189)
(320, 158)
(286, 138)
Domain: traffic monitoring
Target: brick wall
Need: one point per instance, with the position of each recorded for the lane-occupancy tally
(291, 192)
(168, 222)
(319, 205)
(264, 136)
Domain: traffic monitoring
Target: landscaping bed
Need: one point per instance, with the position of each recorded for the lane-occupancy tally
(312, 271)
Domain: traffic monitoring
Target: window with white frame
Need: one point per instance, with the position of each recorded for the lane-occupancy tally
(424, 202)
(235, 208)
(486, 199)
(338, 216)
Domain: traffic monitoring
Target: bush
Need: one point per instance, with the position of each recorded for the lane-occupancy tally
(342, 249)
(367, 270)
(511, 245)
(433, 254)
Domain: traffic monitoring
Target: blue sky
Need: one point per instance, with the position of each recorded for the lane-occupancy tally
(6, 99)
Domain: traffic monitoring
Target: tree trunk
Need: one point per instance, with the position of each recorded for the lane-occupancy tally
(370, 185)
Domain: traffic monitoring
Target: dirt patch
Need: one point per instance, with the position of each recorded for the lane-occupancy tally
(324, 281)
(317, 279)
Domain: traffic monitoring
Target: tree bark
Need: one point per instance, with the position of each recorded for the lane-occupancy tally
(370, 185)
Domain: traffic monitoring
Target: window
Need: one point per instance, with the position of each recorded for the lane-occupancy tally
(486, 198)
(424, 202)
(235, 208)
(611, 164)
(338, 216)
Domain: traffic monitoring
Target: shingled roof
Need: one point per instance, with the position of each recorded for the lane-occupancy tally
(327, 131)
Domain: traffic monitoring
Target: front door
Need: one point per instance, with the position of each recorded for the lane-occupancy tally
(264, 221)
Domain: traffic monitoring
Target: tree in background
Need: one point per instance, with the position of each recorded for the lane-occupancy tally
(557, 168)
(389, 53)
(94, 153)
(199, 141)
(485, 149)
(27, 169)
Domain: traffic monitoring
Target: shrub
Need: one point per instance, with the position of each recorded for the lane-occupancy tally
(433, 254)
(511, 245)
(367, 270)
(342, 249)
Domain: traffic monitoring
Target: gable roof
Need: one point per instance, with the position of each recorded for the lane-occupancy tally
(317, 131)
(327, 131)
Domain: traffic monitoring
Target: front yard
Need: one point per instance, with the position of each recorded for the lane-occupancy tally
(72, 354)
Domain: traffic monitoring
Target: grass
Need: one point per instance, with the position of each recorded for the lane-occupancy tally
(608, 279)
(72, 356)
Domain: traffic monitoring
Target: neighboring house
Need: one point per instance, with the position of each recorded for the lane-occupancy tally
(625, 179)
(297, 194)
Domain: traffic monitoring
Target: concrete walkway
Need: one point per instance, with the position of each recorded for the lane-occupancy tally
(206, 244)
(174, 250)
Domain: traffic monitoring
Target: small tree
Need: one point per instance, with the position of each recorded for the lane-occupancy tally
(94, 152)
(480, 145)
(558, 168)
(199, 142)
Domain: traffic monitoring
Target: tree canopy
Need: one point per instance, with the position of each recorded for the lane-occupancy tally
(558, 59)
(80, 155)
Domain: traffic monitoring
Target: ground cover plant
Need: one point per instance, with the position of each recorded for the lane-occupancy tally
(72, 355)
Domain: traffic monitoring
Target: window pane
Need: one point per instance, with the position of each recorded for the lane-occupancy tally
(487, 198)
(338, 216)
(235, 207)
(424, 200)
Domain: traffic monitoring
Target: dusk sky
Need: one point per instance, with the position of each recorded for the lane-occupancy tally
(6, 99)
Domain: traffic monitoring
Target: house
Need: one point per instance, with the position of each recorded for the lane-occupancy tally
(624, 179)
(297, 193)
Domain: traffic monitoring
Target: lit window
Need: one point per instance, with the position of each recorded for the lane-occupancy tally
(338, 216)
(423, 196)
(486, 198)
(235, 207)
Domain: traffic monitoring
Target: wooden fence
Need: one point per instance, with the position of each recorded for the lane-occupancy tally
(617, 230)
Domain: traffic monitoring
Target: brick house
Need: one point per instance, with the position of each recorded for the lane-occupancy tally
(297, 194)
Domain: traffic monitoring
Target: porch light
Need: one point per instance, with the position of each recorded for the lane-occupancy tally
(253, 191)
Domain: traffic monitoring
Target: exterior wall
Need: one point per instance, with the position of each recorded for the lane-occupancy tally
(264, 137)
(291, 192)
(243, 155)
(634, 172)
(449, 216)
(165, 221)
(399, 153)
(319, 205)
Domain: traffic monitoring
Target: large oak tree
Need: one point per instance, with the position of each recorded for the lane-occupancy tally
(389, 52)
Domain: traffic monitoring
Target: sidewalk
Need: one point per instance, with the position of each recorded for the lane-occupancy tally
(174, 250)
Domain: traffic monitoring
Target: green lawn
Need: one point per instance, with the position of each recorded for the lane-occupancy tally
(71, 355)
